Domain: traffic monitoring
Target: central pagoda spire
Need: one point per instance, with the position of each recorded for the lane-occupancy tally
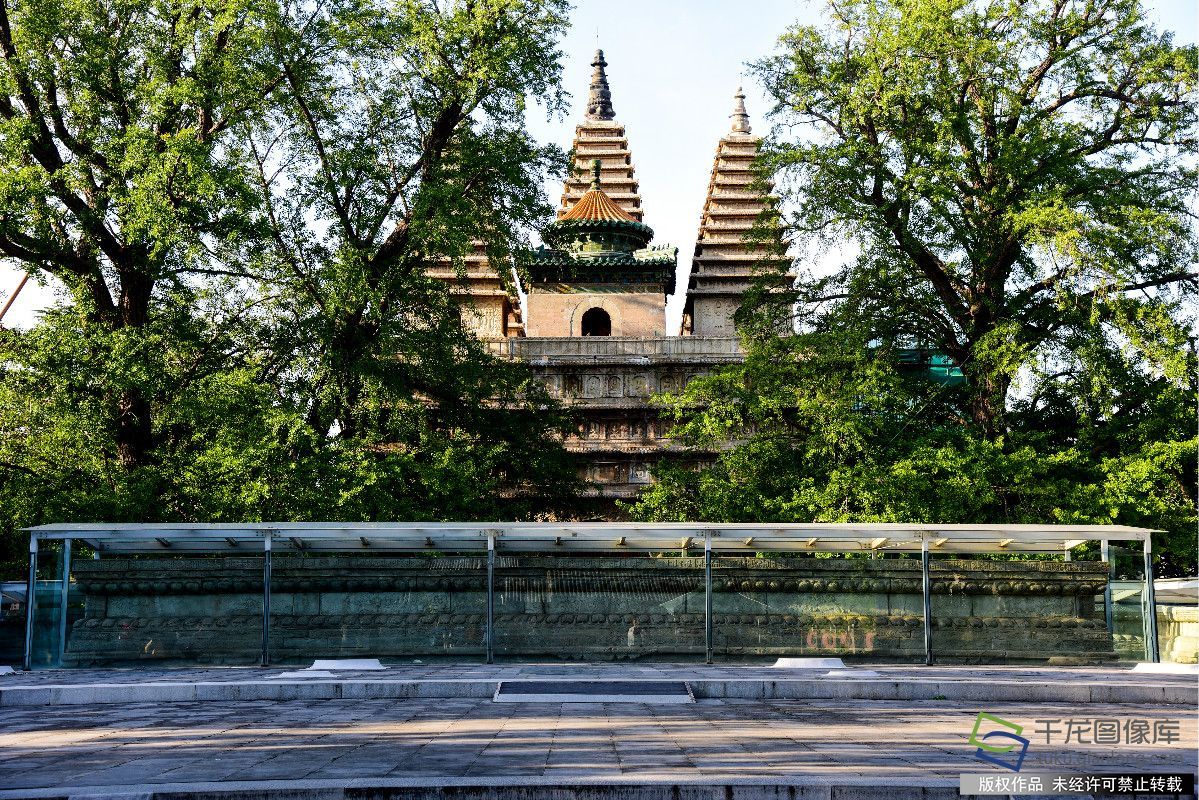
(740, 116)
(601, 137)
(599, 99)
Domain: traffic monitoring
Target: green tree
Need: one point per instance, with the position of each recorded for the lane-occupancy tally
(831, 427)
(372, 174)
(1017, 177)
(117, 173)
(1018, 174)
(241, 199)
(417, 155)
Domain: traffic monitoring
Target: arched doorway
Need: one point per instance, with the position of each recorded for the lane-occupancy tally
(596, 322)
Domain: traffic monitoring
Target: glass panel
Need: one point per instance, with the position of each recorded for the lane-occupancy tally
(393, 607)
(45, 650)
(166, 610)
(770, 605)
(965, 613)
(75, 606)
(179, 608)
(1128, 598)
(12, 620)
(599, 608)
(997, 609)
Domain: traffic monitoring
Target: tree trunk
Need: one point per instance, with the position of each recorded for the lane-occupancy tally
(135, 433)
(988, 402)
(134, 419)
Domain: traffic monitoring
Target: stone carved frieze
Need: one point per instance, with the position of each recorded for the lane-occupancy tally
(579, 607)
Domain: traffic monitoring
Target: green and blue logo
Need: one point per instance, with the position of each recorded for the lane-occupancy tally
(998, 728)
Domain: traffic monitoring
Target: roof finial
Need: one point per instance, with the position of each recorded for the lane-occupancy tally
(595, 173)
(599, 101)
(740, 115)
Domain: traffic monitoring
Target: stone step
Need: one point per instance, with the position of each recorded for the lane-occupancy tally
(1130, 688)
(581, 786)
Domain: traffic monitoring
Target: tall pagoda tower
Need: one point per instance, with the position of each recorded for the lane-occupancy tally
(601, 137)
(487, 299)
(598, 265)
(728, 257)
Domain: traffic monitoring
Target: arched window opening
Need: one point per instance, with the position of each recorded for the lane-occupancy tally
(596, 322)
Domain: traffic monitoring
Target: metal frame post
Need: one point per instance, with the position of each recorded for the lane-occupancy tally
(489, 630)
(1105, 555)
(1150, 604)
(30, 602)
(64, 588)
(708, 598)
(927, 586)
(265, 659)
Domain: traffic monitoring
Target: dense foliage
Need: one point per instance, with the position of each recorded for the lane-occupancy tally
(240, 198)
(1018, 177)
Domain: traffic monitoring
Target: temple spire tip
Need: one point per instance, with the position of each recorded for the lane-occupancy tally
(740, 116)
(599, 98)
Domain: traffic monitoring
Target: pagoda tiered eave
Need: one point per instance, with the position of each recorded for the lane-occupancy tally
(603, 140)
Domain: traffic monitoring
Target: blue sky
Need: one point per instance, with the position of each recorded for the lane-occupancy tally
(673, 66)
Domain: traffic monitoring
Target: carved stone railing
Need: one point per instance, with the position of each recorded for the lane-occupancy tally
(537, 349)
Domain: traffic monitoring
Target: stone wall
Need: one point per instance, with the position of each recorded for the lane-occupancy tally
(199, 610)
(713, 315)
(1178, 633)
(556, 310)
(607, 382)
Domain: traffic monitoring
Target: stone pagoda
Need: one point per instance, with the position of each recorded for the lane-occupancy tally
(594, 319)
(491, 309)
(599, 276)
(740, 240)
(602, 137)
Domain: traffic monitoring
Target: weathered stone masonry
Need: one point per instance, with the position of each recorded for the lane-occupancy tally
(581, 608)
(598, 259)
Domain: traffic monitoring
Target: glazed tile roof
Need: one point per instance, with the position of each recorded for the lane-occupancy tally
(595, 206)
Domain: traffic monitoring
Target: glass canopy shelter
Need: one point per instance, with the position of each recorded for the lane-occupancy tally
(706, 586)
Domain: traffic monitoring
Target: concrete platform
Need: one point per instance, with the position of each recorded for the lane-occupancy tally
(617, 788)
(1077, 685)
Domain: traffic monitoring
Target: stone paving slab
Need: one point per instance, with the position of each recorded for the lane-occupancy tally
(812, 788)
(336, 745)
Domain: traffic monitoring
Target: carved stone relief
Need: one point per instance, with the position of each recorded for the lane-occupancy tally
(593, 386)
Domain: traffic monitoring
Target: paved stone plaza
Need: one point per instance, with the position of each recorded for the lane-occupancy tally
(471, 738)
(147, 747)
